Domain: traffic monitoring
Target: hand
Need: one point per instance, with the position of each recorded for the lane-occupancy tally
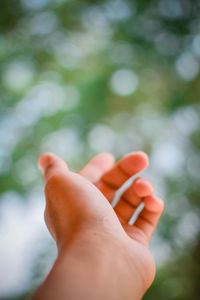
(81, 220)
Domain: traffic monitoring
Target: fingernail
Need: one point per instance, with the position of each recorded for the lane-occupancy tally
(43, 162)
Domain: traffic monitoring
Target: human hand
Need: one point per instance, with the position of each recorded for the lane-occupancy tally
(79, 216)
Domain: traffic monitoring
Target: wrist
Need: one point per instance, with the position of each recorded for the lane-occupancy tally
(101, 264)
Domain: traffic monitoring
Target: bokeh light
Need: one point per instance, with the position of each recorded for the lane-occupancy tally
(124, 82)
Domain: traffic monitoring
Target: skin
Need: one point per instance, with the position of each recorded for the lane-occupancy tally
(100, 256)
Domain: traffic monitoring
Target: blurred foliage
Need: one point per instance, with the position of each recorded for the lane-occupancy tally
(80, 77)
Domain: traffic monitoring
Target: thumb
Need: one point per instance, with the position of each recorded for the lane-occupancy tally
(50, 164)
(72, 200)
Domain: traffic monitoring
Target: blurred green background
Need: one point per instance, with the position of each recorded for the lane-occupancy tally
(81, 77)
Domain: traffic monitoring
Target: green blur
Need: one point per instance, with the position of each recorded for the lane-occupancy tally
(63, 54)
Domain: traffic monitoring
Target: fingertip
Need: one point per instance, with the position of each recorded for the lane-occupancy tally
(109, 156)
(144, 158)
(44, 161)
(50, 164)
(154, 203)
(143, 187)
(104, 158)
(134, 162)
